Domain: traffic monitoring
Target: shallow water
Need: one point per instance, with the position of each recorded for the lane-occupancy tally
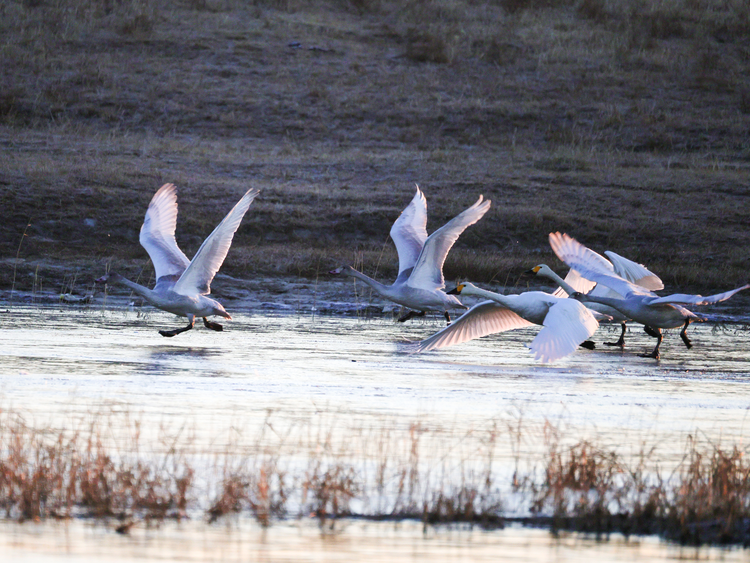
(356, 541)
(341, 376)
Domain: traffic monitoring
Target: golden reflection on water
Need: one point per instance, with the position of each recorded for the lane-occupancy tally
(351, 541)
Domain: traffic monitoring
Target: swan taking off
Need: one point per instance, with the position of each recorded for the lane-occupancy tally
(567, 323)
(637, 303)
(627, 269)
(419, 285)
(182, 285)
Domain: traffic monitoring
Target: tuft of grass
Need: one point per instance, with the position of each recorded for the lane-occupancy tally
(413, 473)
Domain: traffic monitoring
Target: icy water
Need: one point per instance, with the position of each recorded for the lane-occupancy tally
(348, 379)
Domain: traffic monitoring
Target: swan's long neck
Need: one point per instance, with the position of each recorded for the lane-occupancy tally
(382, 289)
(498, 298)
(609, 301)
(552, 275)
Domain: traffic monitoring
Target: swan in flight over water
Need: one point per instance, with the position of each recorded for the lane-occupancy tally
(567, 323)
(182, 285)
(637, 303)
(419, 285)
(627, 269)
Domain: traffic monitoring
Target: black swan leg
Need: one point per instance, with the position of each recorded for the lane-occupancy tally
(447, 318)
(621, 341)
(684, 336)
(411, 315)
(175, 332)
(212, 325)
(656, 333)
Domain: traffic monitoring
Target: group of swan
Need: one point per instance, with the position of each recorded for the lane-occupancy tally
(616, 289)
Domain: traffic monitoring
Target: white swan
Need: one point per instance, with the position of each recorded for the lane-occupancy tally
(419, 285)
(627, 269)
(636, 303)
(182, 285)
(567, 323)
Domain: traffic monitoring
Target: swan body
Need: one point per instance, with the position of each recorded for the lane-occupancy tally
(420, 282)
(634, 301)
(182, 285)
(567, 323)
(627, 269)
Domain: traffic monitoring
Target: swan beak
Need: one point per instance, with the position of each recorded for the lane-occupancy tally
(534, 271)
(457, 290)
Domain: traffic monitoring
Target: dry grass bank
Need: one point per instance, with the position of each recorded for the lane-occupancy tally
(113, 469)
(624, 124)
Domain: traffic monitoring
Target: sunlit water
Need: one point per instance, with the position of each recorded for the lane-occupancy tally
(341, 375)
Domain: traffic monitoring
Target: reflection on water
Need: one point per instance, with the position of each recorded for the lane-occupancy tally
(354, 541)
(340, 377)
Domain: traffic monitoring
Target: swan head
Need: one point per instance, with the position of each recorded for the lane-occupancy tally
(578, 296)
(464, 287)
(220, 311)
(540, 270)
(345, 269)
(456, 290)
(108, 278)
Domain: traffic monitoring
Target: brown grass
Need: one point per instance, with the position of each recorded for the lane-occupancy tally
(328, 473)
(623, 123)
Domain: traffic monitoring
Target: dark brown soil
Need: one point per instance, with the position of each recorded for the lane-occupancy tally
(627, 128)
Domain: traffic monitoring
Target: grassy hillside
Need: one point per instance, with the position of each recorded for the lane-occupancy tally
(622, 123)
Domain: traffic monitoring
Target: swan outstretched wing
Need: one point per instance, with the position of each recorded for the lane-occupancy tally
(210, 256)
(428, 271)
(486, 317)
(157, 234)
(634, 272)
(410, 231)
(592, 266)
(567, 324)
(686, 299)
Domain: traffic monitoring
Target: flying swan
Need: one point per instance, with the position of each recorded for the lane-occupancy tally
(182, 285)
(627, 269)
(419, 285)
(636, 303)
(567, 323)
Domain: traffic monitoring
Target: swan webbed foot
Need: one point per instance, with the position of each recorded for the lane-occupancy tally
(411, 315)
(588, 344)
(620, 341)
(212, 325)
(655, 354)
(656, 333)
(175, 332)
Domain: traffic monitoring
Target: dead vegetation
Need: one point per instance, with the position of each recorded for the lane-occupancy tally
(623, 123)
(378, 475)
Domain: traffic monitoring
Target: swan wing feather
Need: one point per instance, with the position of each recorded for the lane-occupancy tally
(157, 234)
(486, 317)
(634, 272)
(566, 325)
(428, 270)
(409, 232)
(593, 266)
(687, 299)
(210, 256)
